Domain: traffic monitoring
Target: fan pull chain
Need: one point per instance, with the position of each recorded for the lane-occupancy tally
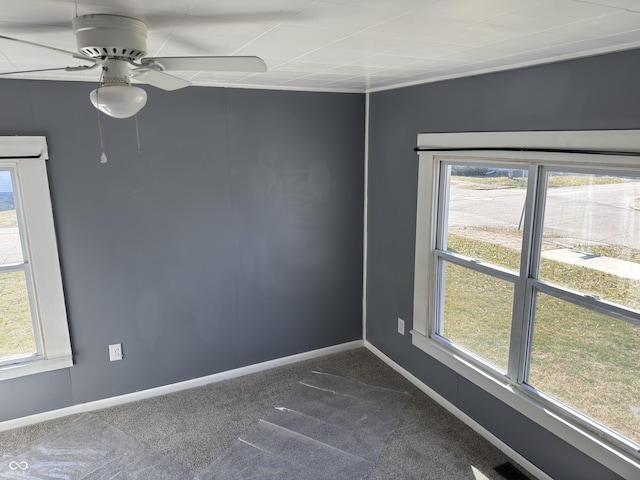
(138, 134)
(103, 156)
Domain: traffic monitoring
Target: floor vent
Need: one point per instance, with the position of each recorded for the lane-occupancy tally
(508, 471)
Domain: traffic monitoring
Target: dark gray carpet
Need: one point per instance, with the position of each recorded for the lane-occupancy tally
(195, 427)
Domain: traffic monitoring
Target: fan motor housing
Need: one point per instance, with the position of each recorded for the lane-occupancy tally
(112, 36)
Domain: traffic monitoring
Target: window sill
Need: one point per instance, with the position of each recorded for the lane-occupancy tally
(511, 394)
(34, 366)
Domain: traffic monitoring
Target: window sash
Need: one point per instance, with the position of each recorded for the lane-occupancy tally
(26, 268)
(526, 283)
(521, 324)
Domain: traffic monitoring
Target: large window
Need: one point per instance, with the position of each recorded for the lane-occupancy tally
(34, 335)
(528, 281)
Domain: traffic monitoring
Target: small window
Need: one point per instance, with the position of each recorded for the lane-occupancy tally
(34, 335)
(527, 278)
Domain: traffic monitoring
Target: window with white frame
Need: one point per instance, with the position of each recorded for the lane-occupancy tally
(527, 276)
(34, 335)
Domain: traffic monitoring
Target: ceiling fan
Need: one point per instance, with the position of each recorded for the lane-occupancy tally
(118, 45)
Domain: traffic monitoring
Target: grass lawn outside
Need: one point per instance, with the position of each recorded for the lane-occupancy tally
(16, 328)
(8, 219)
(555, 181)
(585, 359)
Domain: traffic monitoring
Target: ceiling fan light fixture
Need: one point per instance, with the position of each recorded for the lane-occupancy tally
(118, 101)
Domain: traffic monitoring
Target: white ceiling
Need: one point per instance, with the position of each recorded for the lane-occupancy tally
(334, 45)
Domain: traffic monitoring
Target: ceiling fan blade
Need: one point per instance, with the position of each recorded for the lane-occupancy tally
(208, 64)
(210, 15)
(159, 79)
(55, 49)
(67, 69)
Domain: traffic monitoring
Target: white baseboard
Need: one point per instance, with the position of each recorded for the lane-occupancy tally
(495, 441)
(176, 387)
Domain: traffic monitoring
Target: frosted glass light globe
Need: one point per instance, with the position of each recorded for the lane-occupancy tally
(119, 101)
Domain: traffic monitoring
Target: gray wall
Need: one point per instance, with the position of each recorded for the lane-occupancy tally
(234, 237)
(594, 93)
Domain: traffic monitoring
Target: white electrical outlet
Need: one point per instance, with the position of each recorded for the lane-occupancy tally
(115, 352)
(400, 326)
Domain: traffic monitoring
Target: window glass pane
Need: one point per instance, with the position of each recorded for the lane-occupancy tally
(485, 213)
(10, 248)
(591, 236)
(589, 361)
(16, 325)
(477, 313)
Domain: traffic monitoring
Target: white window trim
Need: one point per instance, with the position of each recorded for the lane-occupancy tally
(511, 393)
(27, 156)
